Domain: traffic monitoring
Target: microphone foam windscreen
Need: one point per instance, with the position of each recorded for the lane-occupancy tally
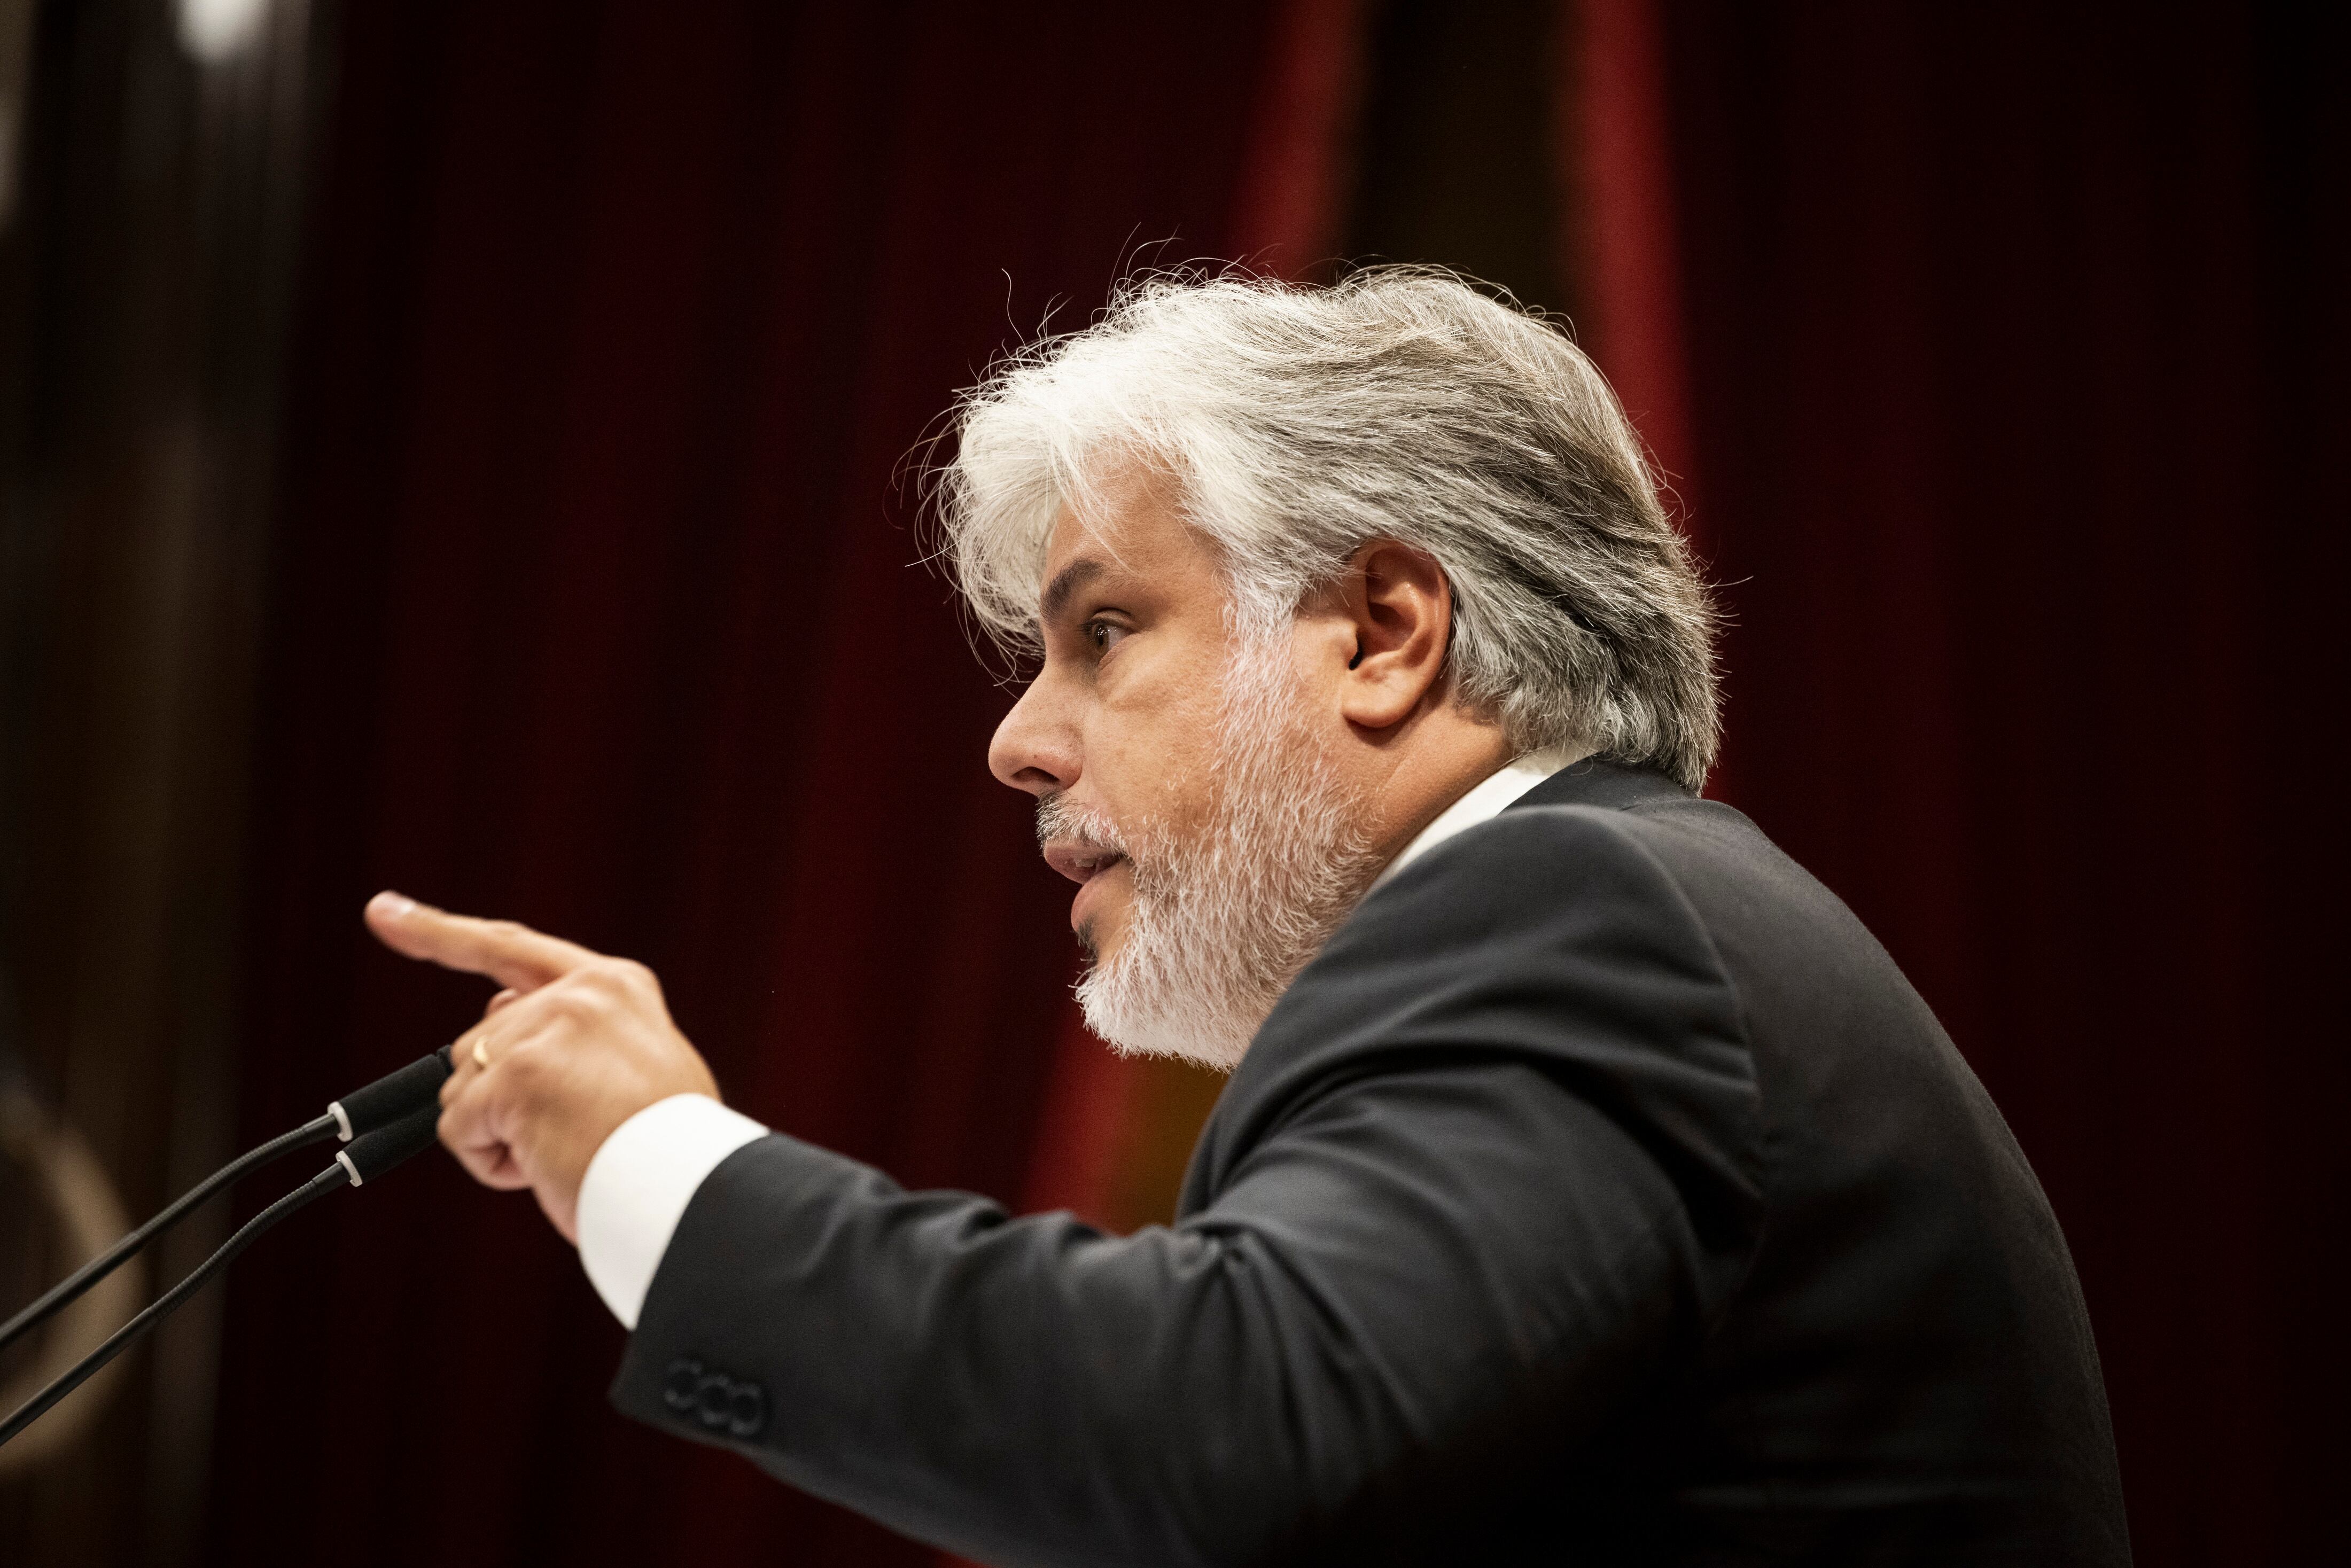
(375, 1153)
(395, 1094)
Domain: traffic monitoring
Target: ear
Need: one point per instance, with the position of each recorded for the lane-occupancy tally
(1401, 608)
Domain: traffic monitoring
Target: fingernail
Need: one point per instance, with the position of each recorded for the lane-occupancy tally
(393, 904)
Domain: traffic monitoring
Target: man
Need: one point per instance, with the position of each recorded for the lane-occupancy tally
(1589, 1184)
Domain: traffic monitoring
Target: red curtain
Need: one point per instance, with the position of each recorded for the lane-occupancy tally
(2017, 344)
(597, 608)
(1997, 352)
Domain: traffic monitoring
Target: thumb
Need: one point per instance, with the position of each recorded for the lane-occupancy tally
(507, 952)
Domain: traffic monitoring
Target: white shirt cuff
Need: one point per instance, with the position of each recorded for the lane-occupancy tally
(638, 1186)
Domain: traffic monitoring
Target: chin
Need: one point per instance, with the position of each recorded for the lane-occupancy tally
(1101, 937)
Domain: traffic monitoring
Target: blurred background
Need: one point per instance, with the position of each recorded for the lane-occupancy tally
(469, 447)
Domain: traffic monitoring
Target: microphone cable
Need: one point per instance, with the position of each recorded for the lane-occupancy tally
(387, 1100)
(369, 1156)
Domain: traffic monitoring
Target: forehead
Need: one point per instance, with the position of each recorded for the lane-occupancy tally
(1132, 530)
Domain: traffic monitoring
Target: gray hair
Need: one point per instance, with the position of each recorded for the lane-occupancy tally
(1399, 405)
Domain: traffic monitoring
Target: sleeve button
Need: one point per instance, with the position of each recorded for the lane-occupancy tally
(682, 1383)
(712, 1400)
(746, 1411)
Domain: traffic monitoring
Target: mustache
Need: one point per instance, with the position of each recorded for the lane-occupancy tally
(1059, 818)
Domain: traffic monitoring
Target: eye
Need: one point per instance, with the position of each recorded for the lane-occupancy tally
(1103, 635)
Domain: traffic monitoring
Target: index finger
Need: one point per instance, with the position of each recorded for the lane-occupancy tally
(509, 953)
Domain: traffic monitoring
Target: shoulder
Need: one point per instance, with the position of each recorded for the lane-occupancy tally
(1532, 862)
(1562, 909)
(1552, 938)
(1572, 899)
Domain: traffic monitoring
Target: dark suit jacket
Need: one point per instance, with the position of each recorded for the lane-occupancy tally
(1602, 1193)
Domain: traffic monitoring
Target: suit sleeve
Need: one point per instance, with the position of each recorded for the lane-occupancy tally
(1487, 1167)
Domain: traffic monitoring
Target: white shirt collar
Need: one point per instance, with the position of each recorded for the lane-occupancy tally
(1482, 803)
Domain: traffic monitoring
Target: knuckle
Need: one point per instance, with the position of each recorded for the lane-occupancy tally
(569, 999)
(607, 977)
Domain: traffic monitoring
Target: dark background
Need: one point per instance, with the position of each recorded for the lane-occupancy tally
(466, 447)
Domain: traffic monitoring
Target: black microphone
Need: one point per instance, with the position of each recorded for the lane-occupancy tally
(372, 1154)
(369, 1155)
(390, 1097)
(387, 1102)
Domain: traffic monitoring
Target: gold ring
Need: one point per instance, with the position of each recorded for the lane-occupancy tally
(481, 1056)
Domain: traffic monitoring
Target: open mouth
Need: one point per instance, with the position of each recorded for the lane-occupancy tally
(1080, 862)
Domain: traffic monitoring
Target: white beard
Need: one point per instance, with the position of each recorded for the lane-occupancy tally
(1223, 920)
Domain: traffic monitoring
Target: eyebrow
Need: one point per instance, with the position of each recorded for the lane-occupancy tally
(1066, 582)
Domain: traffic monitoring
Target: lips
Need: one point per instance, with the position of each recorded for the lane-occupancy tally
(1080, 862)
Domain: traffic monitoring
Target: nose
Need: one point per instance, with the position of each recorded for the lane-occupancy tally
(1036, 746)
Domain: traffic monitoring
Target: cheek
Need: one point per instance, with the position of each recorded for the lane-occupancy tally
(1153, 753)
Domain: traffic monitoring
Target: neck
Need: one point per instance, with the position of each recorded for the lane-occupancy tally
(1447, 755)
